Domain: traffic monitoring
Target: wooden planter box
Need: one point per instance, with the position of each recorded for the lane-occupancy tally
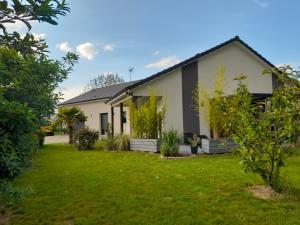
(145, 145)
(213, 146)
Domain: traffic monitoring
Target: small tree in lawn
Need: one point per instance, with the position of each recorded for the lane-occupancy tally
(261, 129)
(69, 117)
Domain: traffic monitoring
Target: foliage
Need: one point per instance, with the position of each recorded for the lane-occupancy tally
(16, 139)
(194, 141)
(110, 143)
(41, 136)
(146, 118)
(262, 128)
(86, 138)
(28, 80)
(32, 80)
(118, 142)
(104, 80)
(9, 196)
(26, 12)
(170, 142)
(122, 142)
(209, 103)
(69, 117)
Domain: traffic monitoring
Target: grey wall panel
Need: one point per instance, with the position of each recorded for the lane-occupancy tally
(189, 82)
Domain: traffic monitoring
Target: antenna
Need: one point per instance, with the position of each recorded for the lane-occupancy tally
(130, 69)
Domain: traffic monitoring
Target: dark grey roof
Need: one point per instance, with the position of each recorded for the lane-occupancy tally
(192, 59)
(99, 93)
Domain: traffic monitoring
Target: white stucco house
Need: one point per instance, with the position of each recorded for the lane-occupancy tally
(175, 85)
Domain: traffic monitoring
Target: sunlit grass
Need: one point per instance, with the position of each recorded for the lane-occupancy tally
(100, 187)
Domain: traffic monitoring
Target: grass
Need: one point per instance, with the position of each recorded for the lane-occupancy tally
(99, 187)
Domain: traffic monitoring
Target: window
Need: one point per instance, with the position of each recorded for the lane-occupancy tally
(103, 123)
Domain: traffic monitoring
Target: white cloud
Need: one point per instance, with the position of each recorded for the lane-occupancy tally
(87, 50)
(108, 47)
(262, 3)
(70, 92)
(295, 65)
(64, 46)
(17, 26)
(39, 36)
(164, 62)
(156, 52)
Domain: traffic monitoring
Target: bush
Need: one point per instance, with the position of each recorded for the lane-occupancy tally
(41, 136)
(119, 142)
(122, 142)
(170, 143)
(86, 139)
(8, 195)
(17, 141)
(147, 117)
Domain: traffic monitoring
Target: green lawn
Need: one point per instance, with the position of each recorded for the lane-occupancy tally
(98, 187)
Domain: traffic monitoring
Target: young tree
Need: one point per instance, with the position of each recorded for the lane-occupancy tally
(69, 117)
(262, 129)
(104, 80)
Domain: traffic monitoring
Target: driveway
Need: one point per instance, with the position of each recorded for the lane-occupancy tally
(56, 139)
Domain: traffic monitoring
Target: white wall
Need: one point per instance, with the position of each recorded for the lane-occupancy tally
(93, 109)
(237, 60)
(169, 87)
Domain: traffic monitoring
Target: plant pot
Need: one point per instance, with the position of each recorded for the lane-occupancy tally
(194, 150)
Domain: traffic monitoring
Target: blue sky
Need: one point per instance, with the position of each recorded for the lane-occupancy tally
(113, 35)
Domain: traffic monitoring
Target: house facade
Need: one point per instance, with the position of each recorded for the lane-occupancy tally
(176, 85)
(99, 114)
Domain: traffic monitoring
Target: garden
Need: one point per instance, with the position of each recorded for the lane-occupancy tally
(66, 186)
(108, 181)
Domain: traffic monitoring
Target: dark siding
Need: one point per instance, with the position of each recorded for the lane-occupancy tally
(275, 82)
(189, 82)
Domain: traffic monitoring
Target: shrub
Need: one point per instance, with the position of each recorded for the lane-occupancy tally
(17, 141)
(170, 143)
(122, 142)
(86, 139)
(110, 143)
(9, 196)
(119, 142)
(41, 136)
(147, 118)
(262, 129)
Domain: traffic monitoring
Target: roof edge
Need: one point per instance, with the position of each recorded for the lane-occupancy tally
(190, 60)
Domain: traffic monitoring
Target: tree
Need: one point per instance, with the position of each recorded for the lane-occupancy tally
(261, 129)
(26, 12)
(69, 117)
(104, 80)
(32, 80)
(28, 79)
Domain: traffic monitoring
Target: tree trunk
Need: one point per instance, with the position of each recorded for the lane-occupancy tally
(216, 133)
(71, 135)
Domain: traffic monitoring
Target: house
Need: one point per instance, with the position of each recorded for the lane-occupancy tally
(175, 85)
(99, 114)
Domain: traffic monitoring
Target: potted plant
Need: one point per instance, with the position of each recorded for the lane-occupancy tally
(194, 142)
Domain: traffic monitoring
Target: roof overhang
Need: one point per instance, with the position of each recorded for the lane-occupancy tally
(83, 102)
(188, 61)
